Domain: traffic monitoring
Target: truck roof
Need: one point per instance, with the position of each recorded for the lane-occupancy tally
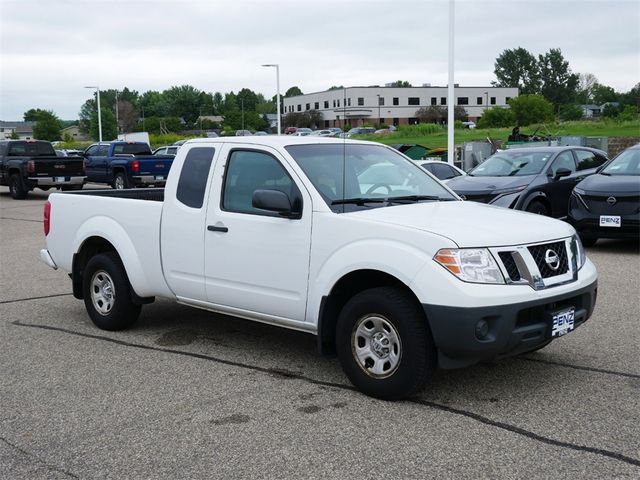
(278, 141)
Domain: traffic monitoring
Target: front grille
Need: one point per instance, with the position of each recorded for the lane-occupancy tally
(510, 264)
(624, 205)
(538, 252)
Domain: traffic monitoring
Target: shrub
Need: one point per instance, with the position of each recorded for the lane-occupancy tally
(571, 112)
(529, 109)
(629, 113)
(497, 117)
(419, 129)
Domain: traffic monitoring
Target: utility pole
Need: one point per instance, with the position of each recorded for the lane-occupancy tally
(117, 121)
(99, 113)
(451, 154)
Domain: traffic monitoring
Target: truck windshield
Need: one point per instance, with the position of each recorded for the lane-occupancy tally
(32, 149)
(512, 164)
(354, 176)
(131, 149)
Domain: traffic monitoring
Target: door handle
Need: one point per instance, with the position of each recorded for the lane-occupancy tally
(215, 228)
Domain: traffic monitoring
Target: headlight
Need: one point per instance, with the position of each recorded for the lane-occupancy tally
(579, 191)
(581, 257)
(475, 265)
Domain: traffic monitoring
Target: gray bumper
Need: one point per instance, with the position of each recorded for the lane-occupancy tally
(57, 181)
(148, 179)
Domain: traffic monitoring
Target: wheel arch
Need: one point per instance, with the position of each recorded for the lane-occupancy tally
(342, 291)
(537, 196)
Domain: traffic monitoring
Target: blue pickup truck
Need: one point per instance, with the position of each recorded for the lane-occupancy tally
(126, 165)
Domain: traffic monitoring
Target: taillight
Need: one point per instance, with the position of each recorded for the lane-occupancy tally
(31, 166)
(135, 166)
(84, 167)
(47, 217)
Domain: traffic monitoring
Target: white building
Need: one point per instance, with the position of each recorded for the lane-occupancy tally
(393, 105)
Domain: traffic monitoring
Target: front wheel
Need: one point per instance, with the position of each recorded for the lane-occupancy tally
(107, 293)
(538, 208)
(384, 344)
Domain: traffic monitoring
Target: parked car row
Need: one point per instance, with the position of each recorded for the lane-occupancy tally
(598, 196)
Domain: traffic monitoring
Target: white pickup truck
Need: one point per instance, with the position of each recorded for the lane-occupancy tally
(349, 241)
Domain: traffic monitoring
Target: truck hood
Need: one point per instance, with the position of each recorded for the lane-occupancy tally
(470, 224)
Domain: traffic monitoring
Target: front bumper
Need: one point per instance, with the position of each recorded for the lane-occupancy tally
(513, 328)
(56, 181)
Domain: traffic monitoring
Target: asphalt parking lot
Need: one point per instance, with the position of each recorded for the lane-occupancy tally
(191, 394)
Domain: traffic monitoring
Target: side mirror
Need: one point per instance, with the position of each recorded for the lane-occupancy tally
(274, 201)
(561, 172)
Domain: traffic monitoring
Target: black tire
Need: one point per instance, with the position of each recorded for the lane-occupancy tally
(16, 187)
(67, 188)
(120, 181)
(538, 208)
(588, 241)
(107, 293)
(407, 335)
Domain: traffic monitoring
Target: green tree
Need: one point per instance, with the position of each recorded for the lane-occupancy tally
(528, 109)
(293, 92)
(603, 94)
(152, 104)
(32, 114)
(217, 103)
(14, 135)
(183, 102)
(47, 126)
(629, 113)
(400, 83)
(336, 87)
(632, 97)
(432, 114)
(610, 110)
(496, 117)
(517, 68)
(247, 100)
(570, 112)
(586, 83)
(108, 118)
(558, 84)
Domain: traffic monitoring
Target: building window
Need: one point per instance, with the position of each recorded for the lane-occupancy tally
(396, 101)
(349, 101)
(506, 99)
(334, 104)
(443, 100)
(434, 101)
(413, 121)
(360, 101)
(463, 100)
(396, 122)
(478, 100)
(493, 100)
(299, 107)
(316, 105)
(326, 104)
(380, 101)
(338, 102)
(414, 101)
(326, 124)
(307, 106)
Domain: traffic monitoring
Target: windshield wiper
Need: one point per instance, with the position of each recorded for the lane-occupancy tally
(417, 198)
(359, 200)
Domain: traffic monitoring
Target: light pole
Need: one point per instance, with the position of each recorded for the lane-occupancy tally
(450, 88)
(117, 121)
(277, 66)
(379, 121)
(99, 114)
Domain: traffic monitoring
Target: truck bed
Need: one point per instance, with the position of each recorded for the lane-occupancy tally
(149, 194)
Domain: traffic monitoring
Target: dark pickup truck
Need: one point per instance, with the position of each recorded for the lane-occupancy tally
(29, 164)
(126, 165)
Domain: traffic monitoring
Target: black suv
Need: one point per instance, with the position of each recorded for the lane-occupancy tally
(535, 179)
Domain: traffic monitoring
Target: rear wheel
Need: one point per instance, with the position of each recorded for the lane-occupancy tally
(384, 344)
(107, 293)
(538, 207)
(120, 182)
(16, 187)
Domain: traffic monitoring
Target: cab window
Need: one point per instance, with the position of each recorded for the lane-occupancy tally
(194, 175)
(563, 160)
(587, 159)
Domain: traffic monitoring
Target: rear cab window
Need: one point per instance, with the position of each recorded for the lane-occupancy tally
(33, 149)
(194, 175)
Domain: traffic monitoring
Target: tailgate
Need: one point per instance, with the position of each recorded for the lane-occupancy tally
(155, 164)
(58, 167)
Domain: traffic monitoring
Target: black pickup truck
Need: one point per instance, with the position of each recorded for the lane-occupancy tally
(29, 164)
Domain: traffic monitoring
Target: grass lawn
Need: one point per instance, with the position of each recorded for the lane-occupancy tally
(439, 138)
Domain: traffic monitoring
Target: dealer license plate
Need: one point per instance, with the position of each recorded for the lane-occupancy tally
(562, 322)
(159, 177)
(59, 179)
(610, 221)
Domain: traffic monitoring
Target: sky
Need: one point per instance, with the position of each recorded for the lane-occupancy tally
(50, 50)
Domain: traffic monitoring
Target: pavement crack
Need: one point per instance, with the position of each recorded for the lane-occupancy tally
(293, 375)
(21, 219)
(37, 459)
(579, 367)
(18, 300)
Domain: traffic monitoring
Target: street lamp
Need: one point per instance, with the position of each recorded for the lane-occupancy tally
(277, 67)
(99, 114)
